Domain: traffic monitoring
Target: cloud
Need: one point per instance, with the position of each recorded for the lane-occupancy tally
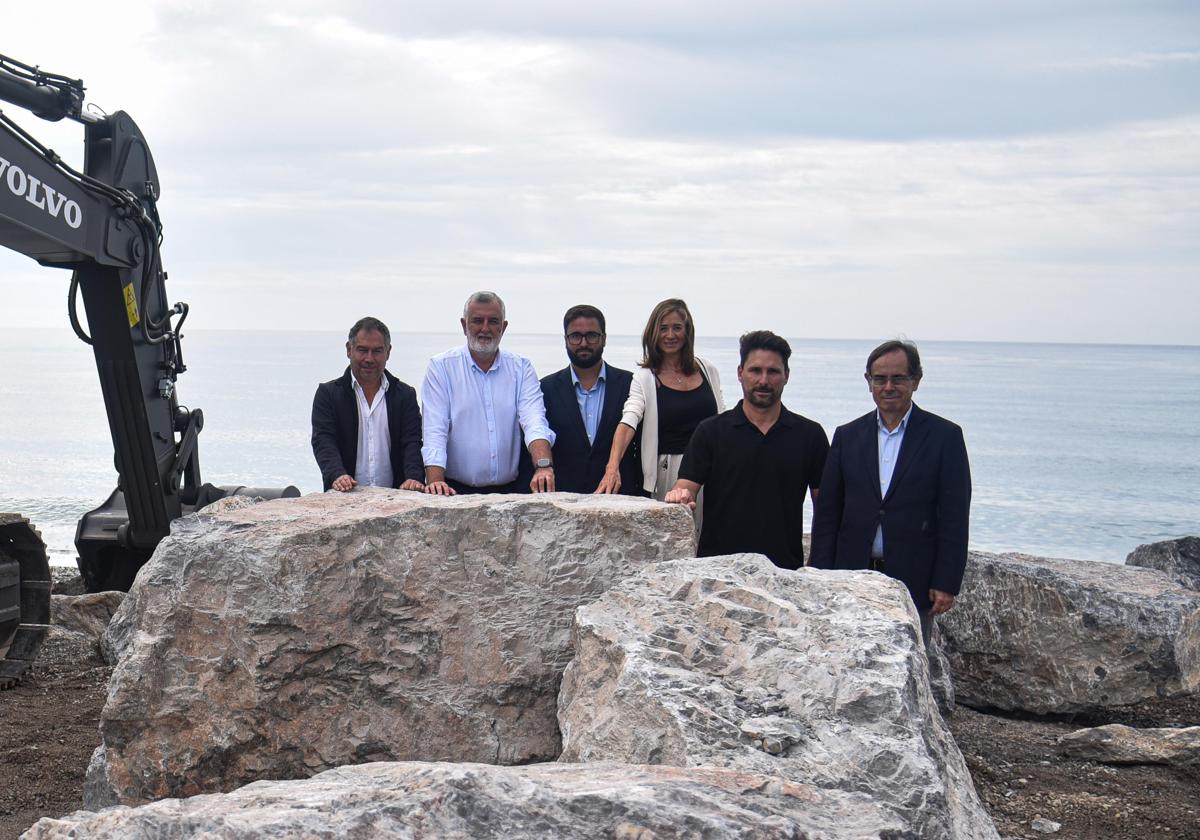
(820, 155)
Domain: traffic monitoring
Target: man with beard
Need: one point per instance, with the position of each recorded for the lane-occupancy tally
(755, 463)
(366, 427)
(478, 401)
(583, 406)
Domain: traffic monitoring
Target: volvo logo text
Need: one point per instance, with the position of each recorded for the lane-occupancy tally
(40, 195)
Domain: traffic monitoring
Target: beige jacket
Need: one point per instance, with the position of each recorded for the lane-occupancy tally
(642, 407)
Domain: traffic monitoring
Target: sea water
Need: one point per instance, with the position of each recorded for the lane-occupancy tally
(1082, 451)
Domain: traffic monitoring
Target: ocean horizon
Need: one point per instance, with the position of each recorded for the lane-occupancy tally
(1077, 450)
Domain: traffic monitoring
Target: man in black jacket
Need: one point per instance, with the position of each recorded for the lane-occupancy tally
(896, 490)
(366, 426)
(583, 406)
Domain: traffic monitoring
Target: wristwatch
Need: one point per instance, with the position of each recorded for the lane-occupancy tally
(544, 464)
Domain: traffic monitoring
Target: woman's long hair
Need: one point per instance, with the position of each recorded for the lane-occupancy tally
(652, 357)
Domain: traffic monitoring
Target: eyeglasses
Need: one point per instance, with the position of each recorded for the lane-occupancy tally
(882, 381)
(577, 338)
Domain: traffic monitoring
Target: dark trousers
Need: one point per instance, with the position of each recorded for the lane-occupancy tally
(513, 486)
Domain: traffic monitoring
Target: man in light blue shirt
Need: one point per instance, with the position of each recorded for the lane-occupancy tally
(896, 490)
(889, 451)
(478, 401)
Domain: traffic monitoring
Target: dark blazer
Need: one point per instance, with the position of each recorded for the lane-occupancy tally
(924, 514)
(335, 429)
(578, 465)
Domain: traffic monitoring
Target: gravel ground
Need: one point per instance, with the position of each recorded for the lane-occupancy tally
(48, 730)
(1022, 777)
(49, 726)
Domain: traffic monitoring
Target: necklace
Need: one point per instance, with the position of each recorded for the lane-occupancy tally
(677, 376)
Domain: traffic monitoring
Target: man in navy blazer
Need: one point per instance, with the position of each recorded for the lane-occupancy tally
(583, 406)
(896, 490)
(366, 426)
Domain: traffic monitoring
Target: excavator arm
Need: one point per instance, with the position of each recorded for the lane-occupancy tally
(102, 225)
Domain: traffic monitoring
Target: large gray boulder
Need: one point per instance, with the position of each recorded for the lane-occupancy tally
(1046, 636)
(815, 676)
(280, 639)
(415, 801)
(1120, 744)
(1178, 558)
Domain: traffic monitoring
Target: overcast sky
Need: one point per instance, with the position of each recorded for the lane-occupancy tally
(943, 170)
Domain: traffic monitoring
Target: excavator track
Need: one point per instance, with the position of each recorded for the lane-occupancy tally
(24, 597)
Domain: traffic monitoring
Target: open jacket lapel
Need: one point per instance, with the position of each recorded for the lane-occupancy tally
(914, 438)
(570, 405)
(870, 450)
(614, 404)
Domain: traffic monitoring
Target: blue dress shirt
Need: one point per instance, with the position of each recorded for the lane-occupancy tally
(472, 420)
(889, 451)
(591, 403)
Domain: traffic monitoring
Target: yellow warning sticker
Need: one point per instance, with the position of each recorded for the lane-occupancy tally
(131, 306)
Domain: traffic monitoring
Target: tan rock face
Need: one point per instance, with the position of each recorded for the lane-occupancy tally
(1049, 636)
(281, 639)
(86, 614)
(415, 801)
(816, 676)
(1119, 744)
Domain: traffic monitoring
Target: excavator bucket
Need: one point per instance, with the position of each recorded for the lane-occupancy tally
(24, 597)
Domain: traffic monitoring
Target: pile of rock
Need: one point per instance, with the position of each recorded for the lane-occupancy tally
(285, 639)
(719, 697)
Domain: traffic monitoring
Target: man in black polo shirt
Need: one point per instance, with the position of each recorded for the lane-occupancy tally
(755, 463)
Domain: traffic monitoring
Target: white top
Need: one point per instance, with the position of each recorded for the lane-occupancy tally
(373, 467)
(642, 407)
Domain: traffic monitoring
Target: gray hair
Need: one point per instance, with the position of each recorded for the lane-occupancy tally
(484, 297)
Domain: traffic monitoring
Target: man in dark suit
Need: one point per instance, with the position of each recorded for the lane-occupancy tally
(583, 406)
(896, 490)
(366, 426)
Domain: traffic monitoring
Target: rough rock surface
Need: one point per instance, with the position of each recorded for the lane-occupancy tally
(406, 801)
(280, 639)
(1120, 744)
(1048, 636)
(86, 614)
(816, 676)
(941, 674)
(1178, 558)
(65, 580)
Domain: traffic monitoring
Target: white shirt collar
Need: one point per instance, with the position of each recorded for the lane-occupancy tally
(358, 385)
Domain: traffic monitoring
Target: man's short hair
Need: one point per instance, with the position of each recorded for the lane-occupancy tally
(484, 297)
(764, 340)
(910, 350)
(368, 323)
(583, 310)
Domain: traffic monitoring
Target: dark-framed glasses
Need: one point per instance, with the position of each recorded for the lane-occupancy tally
(901, 379)
(577, 338)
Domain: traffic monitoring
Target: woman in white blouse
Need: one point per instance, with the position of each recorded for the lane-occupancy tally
(671, 393)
